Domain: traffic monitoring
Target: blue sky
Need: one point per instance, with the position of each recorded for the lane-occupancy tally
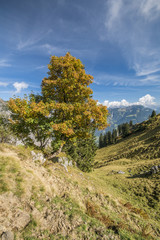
(118, 41)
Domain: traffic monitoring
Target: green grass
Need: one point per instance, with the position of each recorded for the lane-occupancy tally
(104, 202)
(134, 155)
(29, 230)
(10, 170)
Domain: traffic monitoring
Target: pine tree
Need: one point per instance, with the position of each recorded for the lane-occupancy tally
(109, 137)
(105, 140)
(114, 135)
(101, 141)
(82, 152)
(153, 114)
(131, 123)
(120, 129)
(125, 129)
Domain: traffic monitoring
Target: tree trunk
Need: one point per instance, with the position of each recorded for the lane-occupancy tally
(56, 153)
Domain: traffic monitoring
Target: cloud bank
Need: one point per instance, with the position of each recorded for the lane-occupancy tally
(146, 101)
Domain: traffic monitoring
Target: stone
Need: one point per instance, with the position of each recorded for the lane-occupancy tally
(121, 172)
(8, 235)
(154, 169)
(38, 157)
(64, 167)
(64, 161)
(2, 230)
(22, 219)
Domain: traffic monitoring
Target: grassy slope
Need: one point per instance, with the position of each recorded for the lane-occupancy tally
(134, 155)
(97, 205)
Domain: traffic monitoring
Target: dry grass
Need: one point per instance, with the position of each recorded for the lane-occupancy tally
(102, 197)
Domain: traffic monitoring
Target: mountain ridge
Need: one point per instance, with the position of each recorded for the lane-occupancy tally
(117, 116)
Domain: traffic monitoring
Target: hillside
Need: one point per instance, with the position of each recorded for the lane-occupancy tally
(126, 168)
(118, 200)
(143, 143)
(46, 202)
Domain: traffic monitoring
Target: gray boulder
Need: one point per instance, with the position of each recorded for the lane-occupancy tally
(121, 172)
(22, 219)
(63, 160)
(154, 169)
(8, 235)
(38, 157)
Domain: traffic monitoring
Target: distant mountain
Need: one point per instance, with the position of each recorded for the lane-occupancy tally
(136, 113)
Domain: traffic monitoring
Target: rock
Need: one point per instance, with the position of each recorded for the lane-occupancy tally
(22, 219)
(2, 230)
(121, 172)
(64, 167)
(38, 157)
(154, 169)
(8, 235)
(65, 161)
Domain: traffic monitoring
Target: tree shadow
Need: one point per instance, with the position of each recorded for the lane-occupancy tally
(143, 175)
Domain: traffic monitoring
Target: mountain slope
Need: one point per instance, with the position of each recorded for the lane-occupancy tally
(118, 116)
(47, 202)
(128, 168)
(143, 143)
(135, 113)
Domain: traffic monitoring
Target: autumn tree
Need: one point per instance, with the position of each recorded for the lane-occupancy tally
(30, 120)
(75, 114)
(65, 111)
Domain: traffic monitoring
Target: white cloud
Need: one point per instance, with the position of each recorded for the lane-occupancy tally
(4, 84)
(115, 80)
(50, 49)
(146, 101)
(4, 63)
(19, 86)
(122, 103)
(134, 25)
(150, 8)
(115, 7)
(32, 42)
(40, 67)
